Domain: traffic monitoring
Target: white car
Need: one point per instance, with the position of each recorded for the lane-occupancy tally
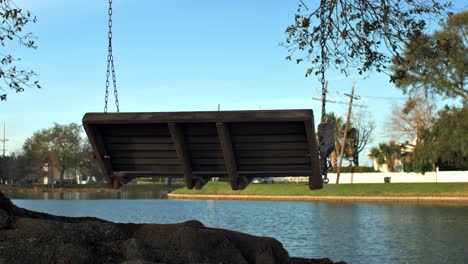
(261, 180)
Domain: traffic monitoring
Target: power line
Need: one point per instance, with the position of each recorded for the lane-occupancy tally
(383, 97)
(338, 102)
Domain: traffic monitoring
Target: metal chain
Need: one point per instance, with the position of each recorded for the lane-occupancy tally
(323, 57)
(324, 158)
(110, 66)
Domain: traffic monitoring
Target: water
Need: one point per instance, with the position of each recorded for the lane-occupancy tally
(353, 232)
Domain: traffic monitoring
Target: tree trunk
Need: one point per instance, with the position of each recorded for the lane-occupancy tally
(62, 174)
(54, 168)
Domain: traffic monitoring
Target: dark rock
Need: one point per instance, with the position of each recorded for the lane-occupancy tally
(32, 237)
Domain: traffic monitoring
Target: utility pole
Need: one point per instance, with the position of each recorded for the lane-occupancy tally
(4, 140)
(351, 97)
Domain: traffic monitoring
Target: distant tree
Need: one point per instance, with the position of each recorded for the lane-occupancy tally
(386, 154)
(359, 34)
(88, 164)
(445, 143)
(12, 28)
(360, 135)
(15, 168)
(66, 140)
(437, 63)
(360, 131)
(451, 137)
(407, 121)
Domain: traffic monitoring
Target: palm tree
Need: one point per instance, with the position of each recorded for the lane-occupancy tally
(339, 130)
(386, 153)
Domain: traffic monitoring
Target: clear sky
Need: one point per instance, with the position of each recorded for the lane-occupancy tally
(173, 55)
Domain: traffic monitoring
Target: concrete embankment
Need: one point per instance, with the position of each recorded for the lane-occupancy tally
(381, 199)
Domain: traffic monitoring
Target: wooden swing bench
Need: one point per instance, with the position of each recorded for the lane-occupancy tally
(239, 145)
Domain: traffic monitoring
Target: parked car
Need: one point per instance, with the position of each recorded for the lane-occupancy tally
(263, 180)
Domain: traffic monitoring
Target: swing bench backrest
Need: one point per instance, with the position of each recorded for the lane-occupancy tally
(238, 145)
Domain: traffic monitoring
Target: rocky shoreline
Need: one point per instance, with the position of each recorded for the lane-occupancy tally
(32, 237)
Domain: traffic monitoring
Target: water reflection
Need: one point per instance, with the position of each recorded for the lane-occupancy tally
(354, 232)
(118, 195)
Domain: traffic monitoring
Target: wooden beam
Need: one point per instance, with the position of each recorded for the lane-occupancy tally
(228, 154)
(199, 117)
(315, 181)
(182, 153)
(101, 154)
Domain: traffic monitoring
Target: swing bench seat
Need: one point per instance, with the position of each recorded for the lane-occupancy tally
(238, 145)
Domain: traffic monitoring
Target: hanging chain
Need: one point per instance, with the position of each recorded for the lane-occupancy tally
(323, 151)
(110, 66)
(323, 55)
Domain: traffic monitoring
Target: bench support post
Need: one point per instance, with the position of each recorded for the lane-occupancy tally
(315, 181)
(229, 157)
(101, 154)
(182, 154)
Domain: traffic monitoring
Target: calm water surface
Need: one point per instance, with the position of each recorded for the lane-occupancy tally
(353, 232)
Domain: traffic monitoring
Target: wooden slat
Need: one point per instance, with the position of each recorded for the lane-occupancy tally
(143, 154)
(260, 167)
(315, 181)
(147, 173)
(135, 130)
(228, 154)
(182, 153)
(138, 147)
(199, 129)
(202, 139)
(266, 128)
(206, 154)
(216, 161)
(271, 146)
(146, 161)
(155, 168)
(269, 138)
(272, 153)
(272, 161)
(214, 168)
(204, 147)
(138, 140)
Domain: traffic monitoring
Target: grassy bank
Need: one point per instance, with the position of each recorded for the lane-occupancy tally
(298, 189)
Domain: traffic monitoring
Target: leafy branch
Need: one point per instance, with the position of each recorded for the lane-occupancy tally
(13, 22)
(364, 34)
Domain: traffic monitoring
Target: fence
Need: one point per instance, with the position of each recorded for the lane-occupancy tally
(396, 177)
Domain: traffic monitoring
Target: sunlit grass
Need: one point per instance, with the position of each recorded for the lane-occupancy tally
(301, 189)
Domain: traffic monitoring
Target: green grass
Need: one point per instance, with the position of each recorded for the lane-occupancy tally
(300, 189)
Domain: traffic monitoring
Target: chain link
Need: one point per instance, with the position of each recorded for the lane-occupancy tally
(110, 66)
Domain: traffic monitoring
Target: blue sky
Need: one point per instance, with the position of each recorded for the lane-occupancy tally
(177, 55)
